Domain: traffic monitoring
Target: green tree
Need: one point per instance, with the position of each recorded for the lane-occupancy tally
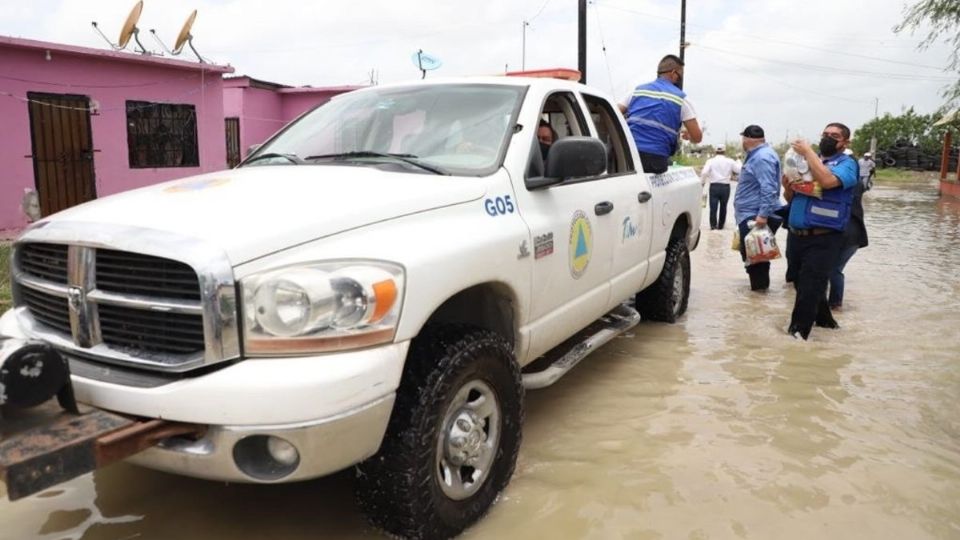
(943, 19)
(910, 127)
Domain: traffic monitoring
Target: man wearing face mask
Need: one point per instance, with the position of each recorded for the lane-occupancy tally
(817, 225)
(656, 111)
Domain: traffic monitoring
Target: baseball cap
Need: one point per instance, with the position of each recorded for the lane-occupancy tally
(753, 131)
(867, 154)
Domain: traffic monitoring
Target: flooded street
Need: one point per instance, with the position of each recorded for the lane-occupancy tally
(716, 427)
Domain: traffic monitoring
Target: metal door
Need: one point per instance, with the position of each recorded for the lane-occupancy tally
(62, 150)
(233, 142)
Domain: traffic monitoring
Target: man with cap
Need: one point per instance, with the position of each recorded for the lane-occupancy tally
(656, 111)
(867, 167)
(757, 197)
(717, 173)
(817, 225)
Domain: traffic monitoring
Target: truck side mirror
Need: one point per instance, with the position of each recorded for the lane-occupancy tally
(572, 157)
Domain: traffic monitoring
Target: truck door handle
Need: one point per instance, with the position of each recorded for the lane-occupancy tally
(644, 196)
(602, 208)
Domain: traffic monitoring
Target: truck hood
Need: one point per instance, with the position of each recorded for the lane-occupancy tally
(251, 212)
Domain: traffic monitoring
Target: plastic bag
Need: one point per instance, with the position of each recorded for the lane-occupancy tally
(795, 167)
(735, 243)
(810, 189)
(797, 171)
(760, 245)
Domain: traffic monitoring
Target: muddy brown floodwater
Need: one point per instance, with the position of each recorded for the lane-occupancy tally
(716, 427)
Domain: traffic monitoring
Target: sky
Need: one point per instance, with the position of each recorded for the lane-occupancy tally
(790, 67)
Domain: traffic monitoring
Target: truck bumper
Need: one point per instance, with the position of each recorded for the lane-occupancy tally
(239, 453)
(331, 409)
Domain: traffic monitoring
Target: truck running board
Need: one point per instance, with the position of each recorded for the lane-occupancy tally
(556, 363)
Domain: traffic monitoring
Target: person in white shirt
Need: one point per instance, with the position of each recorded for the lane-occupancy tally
(718, 171)
(867, 167)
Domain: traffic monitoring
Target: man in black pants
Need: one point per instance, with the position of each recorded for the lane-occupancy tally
(817, 225)
(757, 198)
(717, 173)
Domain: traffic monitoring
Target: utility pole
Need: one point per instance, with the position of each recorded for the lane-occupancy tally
(582, 40)
(876, 115)
(523, 59)
(683, 27)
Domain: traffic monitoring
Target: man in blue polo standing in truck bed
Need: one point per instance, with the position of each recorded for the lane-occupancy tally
(655, 113)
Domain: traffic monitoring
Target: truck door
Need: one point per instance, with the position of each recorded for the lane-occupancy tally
(632, 209)
(574, 231)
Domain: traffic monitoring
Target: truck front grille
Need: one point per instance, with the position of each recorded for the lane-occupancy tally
(45, 261)
(48, 310)
(144, 275)
(150, 331)
(144, 308)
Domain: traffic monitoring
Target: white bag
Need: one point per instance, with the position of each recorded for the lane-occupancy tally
(795, 167)
(760, 245)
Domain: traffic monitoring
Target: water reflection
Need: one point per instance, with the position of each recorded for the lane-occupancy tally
(717, 427)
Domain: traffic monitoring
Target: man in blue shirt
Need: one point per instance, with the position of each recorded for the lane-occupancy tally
(655, 111)
(817, 225)
(757, 197)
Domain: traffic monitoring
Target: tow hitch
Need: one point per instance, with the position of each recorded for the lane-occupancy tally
(44, 443)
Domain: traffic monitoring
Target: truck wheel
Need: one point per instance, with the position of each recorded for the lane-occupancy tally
(452, 441)
(666, 299)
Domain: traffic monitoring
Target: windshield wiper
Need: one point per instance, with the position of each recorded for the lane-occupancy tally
(406, 158)
(292, 158)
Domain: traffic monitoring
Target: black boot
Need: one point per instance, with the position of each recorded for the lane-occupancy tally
(825, 317)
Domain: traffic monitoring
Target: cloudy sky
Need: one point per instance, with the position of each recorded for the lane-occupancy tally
(786, 65)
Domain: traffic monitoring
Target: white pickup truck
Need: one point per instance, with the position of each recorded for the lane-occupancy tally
(375, 287)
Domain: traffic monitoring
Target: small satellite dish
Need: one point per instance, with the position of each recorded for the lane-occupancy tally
(129, 29)
(425, 62)
(130, 26)
(184, 36)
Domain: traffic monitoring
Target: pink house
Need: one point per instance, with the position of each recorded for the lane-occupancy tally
(256, 109)
(81, 123)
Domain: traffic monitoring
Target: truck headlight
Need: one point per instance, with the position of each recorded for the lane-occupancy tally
(321, 307)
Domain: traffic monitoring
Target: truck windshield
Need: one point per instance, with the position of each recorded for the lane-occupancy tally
(458, 129)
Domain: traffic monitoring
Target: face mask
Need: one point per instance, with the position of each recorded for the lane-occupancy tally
(544, 149)
(828, 146)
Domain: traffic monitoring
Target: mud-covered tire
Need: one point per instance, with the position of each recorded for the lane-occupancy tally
(399, 489)
(666, 299)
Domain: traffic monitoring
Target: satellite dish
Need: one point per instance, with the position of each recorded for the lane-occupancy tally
(425, 62)
(183, 38)
(184, 34)
(130, 27)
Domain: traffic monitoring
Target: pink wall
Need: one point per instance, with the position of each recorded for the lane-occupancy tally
(261, 116)
(265, 108)
(297, 103)
(111, 80)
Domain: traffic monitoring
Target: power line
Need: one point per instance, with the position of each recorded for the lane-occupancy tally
(831, 69)
(780, 41)
(100, 86)
(603, 46)
(199, 89)
(539, 11)
(793, 86)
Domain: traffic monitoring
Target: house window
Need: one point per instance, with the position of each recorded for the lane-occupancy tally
(161, 135)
